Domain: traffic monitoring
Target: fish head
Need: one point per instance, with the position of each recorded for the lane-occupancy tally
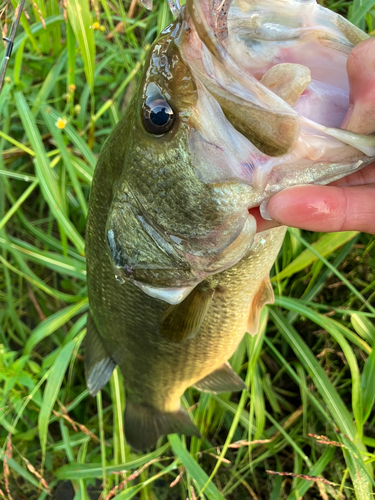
(226, 115)
(167, 228)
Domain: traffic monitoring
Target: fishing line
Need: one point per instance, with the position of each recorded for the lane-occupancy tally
(10, 41)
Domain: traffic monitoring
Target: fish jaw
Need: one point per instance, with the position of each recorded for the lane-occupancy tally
(258, 113)
(265, 33)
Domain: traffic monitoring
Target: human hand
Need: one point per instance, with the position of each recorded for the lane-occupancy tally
(349, 203)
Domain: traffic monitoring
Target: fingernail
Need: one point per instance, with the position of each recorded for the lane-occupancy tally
(347, 116)
(263, 210)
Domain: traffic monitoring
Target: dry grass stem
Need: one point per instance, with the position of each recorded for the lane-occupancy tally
(37, 475)
(325, 440)
(8, 455)
(313, 479)
(192, 493)
(135, 474)
(76, 425)
(239, 444)
(177, 480)
(38, 309)
(42, 20)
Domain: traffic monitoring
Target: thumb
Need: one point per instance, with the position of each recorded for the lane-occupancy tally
(361, 72)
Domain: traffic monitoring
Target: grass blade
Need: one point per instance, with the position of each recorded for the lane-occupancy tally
(302, 485)
(327, 244)
(73, 135)
(52, 390)
(338, 410)
(325, 322)
(357, 470)
(364, 327)
(56, 262)
(52, 323)
(44, 173)
(81, 21)
(367, 386)
(359, 9)
(194, 469)
(20, 471)
(49, 83)
(87, 471)
(56, 134)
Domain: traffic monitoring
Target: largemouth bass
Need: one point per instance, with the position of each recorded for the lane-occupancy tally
(238, 100)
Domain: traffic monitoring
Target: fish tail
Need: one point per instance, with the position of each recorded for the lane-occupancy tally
(144, 425)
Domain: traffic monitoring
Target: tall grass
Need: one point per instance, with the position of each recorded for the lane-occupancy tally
(306, 427)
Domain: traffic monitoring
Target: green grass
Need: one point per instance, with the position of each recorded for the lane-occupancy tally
(310, 369)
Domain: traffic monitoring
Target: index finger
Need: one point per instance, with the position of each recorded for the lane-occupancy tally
(326, 208)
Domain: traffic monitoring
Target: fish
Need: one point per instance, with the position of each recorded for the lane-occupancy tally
(238, 100)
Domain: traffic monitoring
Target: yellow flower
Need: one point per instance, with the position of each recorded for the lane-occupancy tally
(102, 28)
(95, 25)
(61, 122)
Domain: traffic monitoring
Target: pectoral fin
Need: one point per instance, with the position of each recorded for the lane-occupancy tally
(183, 321)
(224, 379)
(98, 363)
(144, 425)
(263, 296)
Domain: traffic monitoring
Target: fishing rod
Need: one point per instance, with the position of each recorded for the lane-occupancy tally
(10, 41)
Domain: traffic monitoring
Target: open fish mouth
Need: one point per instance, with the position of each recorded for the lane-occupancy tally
(277, 72)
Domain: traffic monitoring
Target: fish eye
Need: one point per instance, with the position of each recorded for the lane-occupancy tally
(158, 117)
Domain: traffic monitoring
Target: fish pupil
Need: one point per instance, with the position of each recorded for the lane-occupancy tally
(160, 116)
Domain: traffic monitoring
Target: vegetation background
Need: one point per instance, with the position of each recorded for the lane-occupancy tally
(306, 427)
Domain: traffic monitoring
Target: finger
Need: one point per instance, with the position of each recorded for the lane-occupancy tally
(361, 72)
(364, 176)
(328, 208)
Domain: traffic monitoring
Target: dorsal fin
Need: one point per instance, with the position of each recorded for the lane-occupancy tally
(183, 321)
(98, 363)
(263, 296)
